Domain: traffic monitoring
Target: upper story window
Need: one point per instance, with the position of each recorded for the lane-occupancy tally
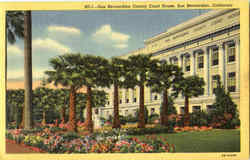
(231, 52)
(231, 82)
(174, 61)
(215, 56)
(200, 61)
(214, 82)
(187, 63)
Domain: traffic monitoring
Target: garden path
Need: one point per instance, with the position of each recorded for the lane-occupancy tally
(16, 148)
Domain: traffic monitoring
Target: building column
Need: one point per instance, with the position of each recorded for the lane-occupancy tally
(222, 65)
(206, 70)
(180, 62)
(237, 60)
(192, 63)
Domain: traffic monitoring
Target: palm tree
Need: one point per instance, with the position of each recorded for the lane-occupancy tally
(66, 73)
(191, 86)
(137, 75)
(116, 74)
(94, 73)
(18, 24)
(14, 30)
(161, 79)
(27, 70)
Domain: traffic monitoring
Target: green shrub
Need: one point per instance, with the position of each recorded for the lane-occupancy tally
(199, 118)
(153, 117)
(70, 136)
(143, 131)
(225, 109)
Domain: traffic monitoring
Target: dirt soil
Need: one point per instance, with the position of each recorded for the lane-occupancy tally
(16, 148)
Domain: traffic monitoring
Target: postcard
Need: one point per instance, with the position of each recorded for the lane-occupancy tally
(125, 80)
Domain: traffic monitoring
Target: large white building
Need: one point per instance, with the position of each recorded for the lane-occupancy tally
(207, 46)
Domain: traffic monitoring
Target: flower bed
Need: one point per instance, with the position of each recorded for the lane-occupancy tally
(114, 141)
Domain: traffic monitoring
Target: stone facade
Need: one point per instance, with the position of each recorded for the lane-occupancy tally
(207, 46)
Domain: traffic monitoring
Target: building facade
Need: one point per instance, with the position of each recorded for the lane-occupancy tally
(207, 46)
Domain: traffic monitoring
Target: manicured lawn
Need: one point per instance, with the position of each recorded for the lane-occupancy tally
(204, 141)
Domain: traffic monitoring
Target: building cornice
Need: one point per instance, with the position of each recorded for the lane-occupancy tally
(219, 32)
(188, 24)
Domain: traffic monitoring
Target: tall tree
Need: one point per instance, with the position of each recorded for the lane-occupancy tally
(137, 71)
(191, 86)
(161, 79)
(27, 70)
(116, 73)
(66, 73)
(75, 71)
(14, 30)
(94, 73)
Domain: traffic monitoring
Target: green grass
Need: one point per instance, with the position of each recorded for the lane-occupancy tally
(204, 141)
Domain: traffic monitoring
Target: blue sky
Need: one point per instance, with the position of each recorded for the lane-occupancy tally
(103, 33)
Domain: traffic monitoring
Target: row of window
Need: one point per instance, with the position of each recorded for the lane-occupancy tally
(231, 87)
(209, 108)
(231, 82)
(214, 57)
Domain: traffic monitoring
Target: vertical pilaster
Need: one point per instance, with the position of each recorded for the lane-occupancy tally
(222, 65)
(206, 70)
(180, 61)
(192, 63)
(237, 60)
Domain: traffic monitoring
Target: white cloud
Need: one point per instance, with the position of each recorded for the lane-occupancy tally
(121, 46)
(14, 50)
(50, 44)
(105, 35)
(70, 30)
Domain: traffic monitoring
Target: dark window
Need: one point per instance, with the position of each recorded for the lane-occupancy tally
(155, 97)
(215, 56)
(127, 100)
(214, 82)
(200, 60)
(187, 63)
(196, 108)
(134, 99)
(231, 52)
(231, 82)
(182, 110)
(120, 101)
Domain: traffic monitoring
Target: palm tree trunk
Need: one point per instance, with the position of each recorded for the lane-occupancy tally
(81, 113)
(186, 115)
(116, 120)
(23, 118)
(141, 123)
(89, 122)
(164, 112)
(63, 114)
(44, 120)
(27, 70)
(72, 110)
